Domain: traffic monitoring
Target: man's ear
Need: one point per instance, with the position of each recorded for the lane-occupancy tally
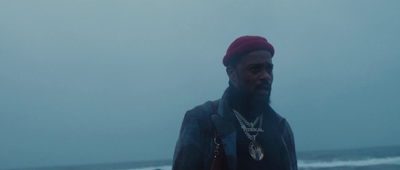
(232, 74)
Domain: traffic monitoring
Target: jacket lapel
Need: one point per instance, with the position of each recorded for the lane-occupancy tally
(223, 121)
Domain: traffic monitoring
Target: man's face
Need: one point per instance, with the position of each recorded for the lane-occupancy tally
(253, 74)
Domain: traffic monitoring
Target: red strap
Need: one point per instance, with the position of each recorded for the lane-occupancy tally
(218, 149)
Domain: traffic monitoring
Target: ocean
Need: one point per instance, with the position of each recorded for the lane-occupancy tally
(381, 158)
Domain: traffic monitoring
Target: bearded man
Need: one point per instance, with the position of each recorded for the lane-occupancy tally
(240, 130)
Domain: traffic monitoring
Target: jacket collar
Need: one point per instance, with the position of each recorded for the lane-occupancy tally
(224, 123)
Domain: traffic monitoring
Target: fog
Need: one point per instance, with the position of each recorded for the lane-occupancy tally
(84, 82)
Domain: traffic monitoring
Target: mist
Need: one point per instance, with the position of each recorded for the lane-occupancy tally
(85, 82)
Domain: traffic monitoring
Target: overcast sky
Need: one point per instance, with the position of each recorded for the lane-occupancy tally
(86, 82)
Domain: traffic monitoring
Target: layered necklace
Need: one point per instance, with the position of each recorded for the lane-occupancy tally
(255, 149)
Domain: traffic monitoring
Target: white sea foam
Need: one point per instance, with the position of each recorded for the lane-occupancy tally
(350, 163)
(321, 164)
(169, 167)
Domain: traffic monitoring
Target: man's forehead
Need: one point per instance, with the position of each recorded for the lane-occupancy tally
(257, 57)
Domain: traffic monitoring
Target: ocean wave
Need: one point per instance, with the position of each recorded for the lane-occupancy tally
(350, 163)
(321, 164)
(152, 168)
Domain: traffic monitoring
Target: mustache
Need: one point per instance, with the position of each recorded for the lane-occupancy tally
(264, 85)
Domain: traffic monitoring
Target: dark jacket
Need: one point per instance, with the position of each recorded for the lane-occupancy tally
(194, 148)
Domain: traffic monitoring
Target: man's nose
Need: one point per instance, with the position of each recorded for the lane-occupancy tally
(266, 76)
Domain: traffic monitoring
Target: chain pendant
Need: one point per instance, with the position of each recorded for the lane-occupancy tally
(255, 150)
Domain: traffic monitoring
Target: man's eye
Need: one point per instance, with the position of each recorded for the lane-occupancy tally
(254, 69)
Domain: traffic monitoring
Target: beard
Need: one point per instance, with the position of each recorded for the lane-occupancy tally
(259, 102)
(260, 99)
(251, 101)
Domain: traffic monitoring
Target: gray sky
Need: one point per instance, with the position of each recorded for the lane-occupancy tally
(109, 81)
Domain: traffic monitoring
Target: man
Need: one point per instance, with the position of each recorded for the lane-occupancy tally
(241, 130)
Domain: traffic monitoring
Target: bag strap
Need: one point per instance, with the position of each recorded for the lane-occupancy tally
(218, 149)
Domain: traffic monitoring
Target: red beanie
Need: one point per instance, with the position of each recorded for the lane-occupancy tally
(246, 44)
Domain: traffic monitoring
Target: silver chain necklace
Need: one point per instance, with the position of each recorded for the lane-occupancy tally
(251, 124)
(243, 122)
(255, 149)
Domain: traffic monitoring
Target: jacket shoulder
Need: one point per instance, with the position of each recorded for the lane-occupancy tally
(193, 147)
(198, 120)
(202, 111)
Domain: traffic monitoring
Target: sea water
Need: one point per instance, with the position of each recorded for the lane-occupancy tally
(380, 158)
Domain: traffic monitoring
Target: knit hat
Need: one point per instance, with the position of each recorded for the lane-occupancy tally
(246, 44)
